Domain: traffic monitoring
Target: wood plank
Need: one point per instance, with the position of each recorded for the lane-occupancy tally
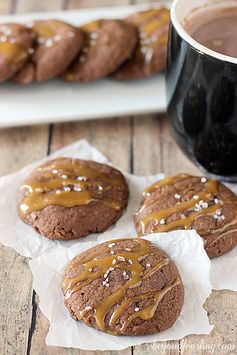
(75, 4)
(6, 7)
(23, 6)
(111, 136)
(18, 146)
(222, 310)
(21, 146)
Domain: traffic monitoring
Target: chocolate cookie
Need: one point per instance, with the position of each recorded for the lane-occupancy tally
(57, 44)
(70, 198)
(150, 55)
(15, 46)
(108, 43)
(124, 287)
(190, 202)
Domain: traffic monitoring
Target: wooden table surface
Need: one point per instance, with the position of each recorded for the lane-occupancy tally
(140, 145)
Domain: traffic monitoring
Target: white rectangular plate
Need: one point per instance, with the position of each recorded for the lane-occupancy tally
(58, 101)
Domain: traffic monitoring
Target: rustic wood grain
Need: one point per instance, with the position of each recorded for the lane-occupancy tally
(18, 146)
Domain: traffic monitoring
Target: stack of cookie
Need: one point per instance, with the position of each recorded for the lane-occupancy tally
(125, 286)
(123, 49)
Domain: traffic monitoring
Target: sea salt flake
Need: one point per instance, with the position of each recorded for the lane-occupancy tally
(113, 261)
(88, 308)
(162, 221)
(38, 189)
(223, 217)
(3, 39)
(111, 268)
(58, 192)
(182, 215)
(112, 252)
(111, 245)
(64, 176)
(216, 200)
(130, 261)
(66, 188)
(71, 34)
(218, 212)
(198, 207)
(82, 59)
(148, 265)
(203, 179)
(8, 32)
(124, 273)
(57, 38)
(24, 207)
(205, 205)
(177, 196)
(54, 171)
(81, 178)
(94, 35)
(49, 42)
(77, 188)
(107, 285)
(128, 249)
(137, 309)
(196, 197)
(30, 50)
(148, 194)
(100, 188)
(90, 269)
(121, 258)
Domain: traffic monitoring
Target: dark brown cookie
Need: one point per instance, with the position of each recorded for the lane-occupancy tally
(124, 287)
(191, 202)
(108, 43)
(15, 47)
(57, 44)
(68, 198)
(150, 55)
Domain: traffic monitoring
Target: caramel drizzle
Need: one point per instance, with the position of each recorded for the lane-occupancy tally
(47, 30)
(68, 184)
(155, 32)
(14, 52)
(210, 188)
(169, 180)
(119, 298)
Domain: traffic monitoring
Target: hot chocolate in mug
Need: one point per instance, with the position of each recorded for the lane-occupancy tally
(201, 85)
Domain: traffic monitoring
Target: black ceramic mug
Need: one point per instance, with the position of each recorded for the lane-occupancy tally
(201, 89)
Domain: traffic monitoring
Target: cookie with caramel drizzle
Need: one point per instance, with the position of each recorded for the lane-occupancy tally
(108, 43)
(150, 55)
(188, 202)
(124, 287)
(15, 44)
(70, 198)
(57, 44)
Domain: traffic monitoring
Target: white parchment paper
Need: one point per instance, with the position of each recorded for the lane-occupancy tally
(185, 248)
(21, 237)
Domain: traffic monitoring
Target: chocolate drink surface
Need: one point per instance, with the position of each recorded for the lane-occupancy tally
(216, 30)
